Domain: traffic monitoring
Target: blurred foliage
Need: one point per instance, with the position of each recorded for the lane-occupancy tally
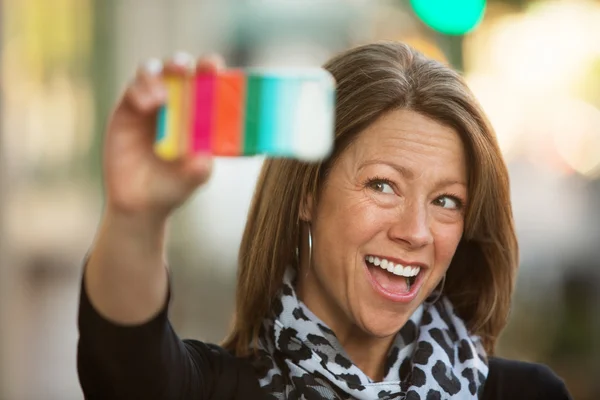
(103, 77)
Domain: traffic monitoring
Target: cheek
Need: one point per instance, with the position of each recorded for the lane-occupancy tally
(342, 228)
(348, 220)
(446, 239)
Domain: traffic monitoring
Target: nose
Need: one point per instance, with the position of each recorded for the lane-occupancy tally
(412, 226)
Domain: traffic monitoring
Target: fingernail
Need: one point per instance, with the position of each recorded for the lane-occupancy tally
(183, 59)
(154, 66)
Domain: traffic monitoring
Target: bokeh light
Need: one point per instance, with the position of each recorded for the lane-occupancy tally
(451, 17)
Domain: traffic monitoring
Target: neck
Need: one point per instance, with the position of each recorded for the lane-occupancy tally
(367, 352)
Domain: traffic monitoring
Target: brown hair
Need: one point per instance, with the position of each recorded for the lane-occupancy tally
(371, 80)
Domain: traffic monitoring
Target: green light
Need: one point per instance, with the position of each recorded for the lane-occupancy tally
(450, 17)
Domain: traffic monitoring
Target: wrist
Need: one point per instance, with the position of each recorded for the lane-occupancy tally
(149, 226)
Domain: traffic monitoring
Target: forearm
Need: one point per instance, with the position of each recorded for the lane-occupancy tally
(125, 278)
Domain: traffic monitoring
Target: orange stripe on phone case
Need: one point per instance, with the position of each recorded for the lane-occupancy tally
(229, 107)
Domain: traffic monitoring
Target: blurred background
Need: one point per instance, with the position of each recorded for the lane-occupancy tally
(534, 65)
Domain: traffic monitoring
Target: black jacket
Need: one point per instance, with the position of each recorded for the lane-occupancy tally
(150, 362)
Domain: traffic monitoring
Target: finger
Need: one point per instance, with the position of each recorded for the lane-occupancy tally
(141, 101)
(147, 92)
(150, 80)
(210, 63)
(181, 63)
(196, 170)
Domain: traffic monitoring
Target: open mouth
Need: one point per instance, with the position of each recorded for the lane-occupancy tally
(393, 279)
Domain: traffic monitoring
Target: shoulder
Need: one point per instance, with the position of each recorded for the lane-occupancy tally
(231, 377)
(511, 379)
(215, 360)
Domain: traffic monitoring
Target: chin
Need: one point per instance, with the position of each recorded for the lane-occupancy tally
(382, 323)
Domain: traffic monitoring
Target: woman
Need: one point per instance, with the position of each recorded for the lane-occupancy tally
(384, 272)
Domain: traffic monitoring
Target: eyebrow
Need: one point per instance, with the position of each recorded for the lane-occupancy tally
(410, 174)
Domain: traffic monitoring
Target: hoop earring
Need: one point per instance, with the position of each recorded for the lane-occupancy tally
(309, 246)
(439, 292)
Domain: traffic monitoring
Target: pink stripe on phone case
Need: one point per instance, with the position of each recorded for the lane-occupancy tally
(203, 116)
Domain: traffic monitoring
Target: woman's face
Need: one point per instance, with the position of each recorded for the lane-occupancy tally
(391, 207)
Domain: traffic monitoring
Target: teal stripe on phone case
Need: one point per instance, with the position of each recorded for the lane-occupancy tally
(161, 128)
(251, 126)
(288, 91)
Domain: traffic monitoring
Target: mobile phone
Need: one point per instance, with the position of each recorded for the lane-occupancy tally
(239, 112)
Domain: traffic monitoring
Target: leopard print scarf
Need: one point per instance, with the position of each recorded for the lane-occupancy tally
(432, 357)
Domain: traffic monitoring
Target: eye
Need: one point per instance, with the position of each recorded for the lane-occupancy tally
(449, 202)
(381, 185)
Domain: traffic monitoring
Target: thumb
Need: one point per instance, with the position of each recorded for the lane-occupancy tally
(197, 170)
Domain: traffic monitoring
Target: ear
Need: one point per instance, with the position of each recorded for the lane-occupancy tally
(306, 209)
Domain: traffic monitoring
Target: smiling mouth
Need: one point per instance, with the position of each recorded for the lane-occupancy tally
(397, 278)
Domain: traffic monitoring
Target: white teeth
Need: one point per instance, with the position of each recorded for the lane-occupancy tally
(396, 269)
